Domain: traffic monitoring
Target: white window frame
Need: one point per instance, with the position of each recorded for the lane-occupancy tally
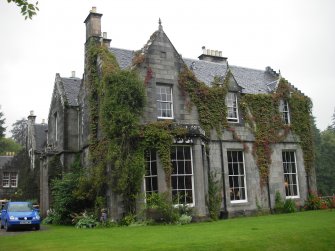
(288, 176)
(231, 176)
(9, 179)
(285, 111)
(149, 176)
(6, 179)
(13, 179)
(179, 175)
(231, 103)
(159, 100)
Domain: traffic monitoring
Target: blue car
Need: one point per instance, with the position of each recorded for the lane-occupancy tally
(20, 214)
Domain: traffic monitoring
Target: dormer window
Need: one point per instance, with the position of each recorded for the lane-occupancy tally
(164, 101)
(232, 109)
(285, 111)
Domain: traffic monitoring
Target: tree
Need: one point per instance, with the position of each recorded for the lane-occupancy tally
(326, 170)
(332, 126)
(9, 145)
(27, 9)
(19, 131)
(2, 128)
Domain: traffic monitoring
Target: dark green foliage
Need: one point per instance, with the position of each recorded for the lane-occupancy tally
(2, 128)
(279, 203)
(214, 196)
(28, 10)
(116, 101)
(325, 171)
(66, 199)
(19, 131)
(9, 145)
(85, 220)
(261, 112)
(289, 206)
(209, 101)
(28, 178)
(160, 207)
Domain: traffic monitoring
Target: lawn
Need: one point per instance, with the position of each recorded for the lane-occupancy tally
(311, 230)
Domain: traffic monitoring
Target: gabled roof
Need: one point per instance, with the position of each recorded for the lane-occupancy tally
(71, 87)
(251, 80)
(40, 136)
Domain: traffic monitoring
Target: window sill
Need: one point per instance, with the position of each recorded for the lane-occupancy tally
(238, 201)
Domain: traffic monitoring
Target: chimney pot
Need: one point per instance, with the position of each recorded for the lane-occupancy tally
(73, 74)
(104, 34)
(31, 113)
(94, 9)
(43, 121)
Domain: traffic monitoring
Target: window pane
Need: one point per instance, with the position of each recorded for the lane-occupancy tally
(164, 101)
(290, 174)
(181, 177)
(236, 174)
(150, 178)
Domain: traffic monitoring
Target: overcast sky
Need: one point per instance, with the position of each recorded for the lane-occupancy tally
(296, 37)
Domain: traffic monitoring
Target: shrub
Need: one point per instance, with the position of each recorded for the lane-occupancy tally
(331, 202)
(163, 206)
(85, 220)
(214, 197)
(279, 203)
(313, 202)
(289, 206)
(185, 219)
(127, 220)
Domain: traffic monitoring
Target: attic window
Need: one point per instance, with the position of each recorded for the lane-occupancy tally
(232, 109)
(163, 54)
(284, 109)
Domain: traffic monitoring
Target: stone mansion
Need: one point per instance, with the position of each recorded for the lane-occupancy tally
(233, 151)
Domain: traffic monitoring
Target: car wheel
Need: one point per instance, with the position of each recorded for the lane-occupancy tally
(6, 227)
(37, 227)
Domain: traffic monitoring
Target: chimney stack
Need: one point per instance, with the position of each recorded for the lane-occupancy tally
(31, 117)
(212, 56)
(93, 24)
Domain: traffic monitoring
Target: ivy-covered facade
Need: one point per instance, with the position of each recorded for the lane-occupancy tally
(151, 121)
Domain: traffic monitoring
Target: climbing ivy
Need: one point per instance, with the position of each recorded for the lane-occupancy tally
(261, 112)
(159, 136)
(117, 140)
(209, 100)
(116, 101)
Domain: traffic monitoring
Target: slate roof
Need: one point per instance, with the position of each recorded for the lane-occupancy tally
(251, 80)
(4, 160)
(40, 136)
(123, 57)
(71, 87)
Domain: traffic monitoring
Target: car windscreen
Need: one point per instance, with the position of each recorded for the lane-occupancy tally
(20, 207)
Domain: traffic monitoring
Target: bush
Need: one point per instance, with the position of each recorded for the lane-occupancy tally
(313, 202)
(127, 220)
(214, 197)
(85, 221)
(185, 219)
(163, 206)
(289, 206)
(279, 203)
